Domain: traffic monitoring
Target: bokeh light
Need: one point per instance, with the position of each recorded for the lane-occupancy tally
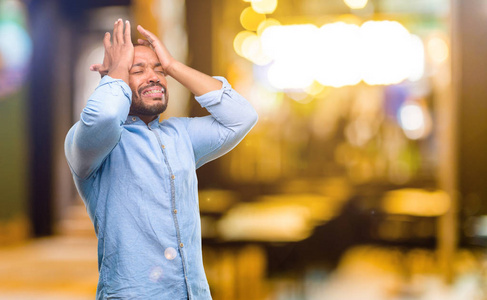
(411, 117)
(170, 253)
(414, 120)
(339, 54)
(156, 274)
(15, 46)
(250, 19)
(417, 59)
(356, 4)
(314, 89)
(291, 48)
(337, 60)
(251, 46)
(266, 24)
(252, 50)
(386, 49)
(239, 40)
(264, 6)
(437, 49)
(416, 202)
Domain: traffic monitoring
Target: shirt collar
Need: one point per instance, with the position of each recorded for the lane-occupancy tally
(131, 119)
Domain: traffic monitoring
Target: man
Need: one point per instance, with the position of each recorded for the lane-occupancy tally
(137, 176)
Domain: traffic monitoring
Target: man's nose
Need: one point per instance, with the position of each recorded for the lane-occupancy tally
(153, 77)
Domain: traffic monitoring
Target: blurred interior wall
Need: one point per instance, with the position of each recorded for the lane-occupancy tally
(470, 79)
(447, 116)
(462, 127)
(199, 20)
(470, 90)
(48, 111)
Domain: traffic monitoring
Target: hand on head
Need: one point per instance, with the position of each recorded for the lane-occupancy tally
(165, 58)
(119, 53)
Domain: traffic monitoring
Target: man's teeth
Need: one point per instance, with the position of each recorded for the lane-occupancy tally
(153, 92)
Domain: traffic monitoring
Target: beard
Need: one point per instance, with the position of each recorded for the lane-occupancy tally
(140, 108)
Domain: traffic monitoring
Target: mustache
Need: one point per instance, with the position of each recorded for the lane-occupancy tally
(139, 91)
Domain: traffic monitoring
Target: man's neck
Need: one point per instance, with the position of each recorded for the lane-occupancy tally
(148, 119)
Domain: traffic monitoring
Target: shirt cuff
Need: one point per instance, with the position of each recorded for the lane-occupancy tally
(214, 97)
(113, 83)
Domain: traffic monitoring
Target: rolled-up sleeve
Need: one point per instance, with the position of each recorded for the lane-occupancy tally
(100, 126)
(232, 117)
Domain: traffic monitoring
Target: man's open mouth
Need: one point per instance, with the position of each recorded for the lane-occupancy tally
(154, 92)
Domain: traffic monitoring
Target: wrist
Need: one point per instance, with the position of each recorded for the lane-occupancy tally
(171, 67)
(119, 68)
(119, 73)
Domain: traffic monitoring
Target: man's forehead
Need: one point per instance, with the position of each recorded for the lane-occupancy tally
(144, 54)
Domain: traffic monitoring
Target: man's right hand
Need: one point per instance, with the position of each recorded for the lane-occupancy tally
(119, 54)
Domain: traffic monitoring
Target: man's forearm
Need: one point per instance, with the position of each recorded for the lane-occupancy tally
(228, 107)
(232, 117)
(195, 81)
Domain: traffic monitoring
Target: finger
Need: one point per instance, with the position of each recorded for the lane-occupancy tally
(117, 34)
(106, 41)
(144, 42)
(120, 31)
(127, 37)
(96, 67)
(114, 38)
(147, 34)
(100, 69)
(106, 58)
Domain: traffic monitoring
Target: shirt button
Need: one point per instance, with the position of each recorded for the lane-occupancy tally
(172, 177)
(134, 119)
(181, 245)
(175, 211)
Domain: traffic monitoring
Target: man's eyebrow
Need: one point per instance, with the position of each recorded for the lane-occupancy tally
(138, 65)
(157, 65)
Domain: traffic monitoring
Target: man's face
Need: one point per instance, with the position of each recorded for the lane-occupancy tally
(148, 84)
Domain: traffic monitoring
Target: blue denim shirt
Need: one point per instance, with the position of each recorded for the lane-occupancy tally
(139, 185)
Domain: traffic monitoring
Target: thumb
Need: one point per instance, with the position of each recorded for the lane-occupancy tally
(96, 67)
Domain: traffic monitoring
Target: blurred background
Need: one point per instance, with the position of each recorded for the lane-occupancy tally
(364, 178)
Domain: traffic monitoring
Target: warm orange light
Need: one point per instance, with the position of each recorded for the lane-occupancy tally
(416, 202)
(239, 41)
(438, 50)
(337, 54)
(356, 4)
(337, 59)
(264, 6)
(250, 19)
(266, 24)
